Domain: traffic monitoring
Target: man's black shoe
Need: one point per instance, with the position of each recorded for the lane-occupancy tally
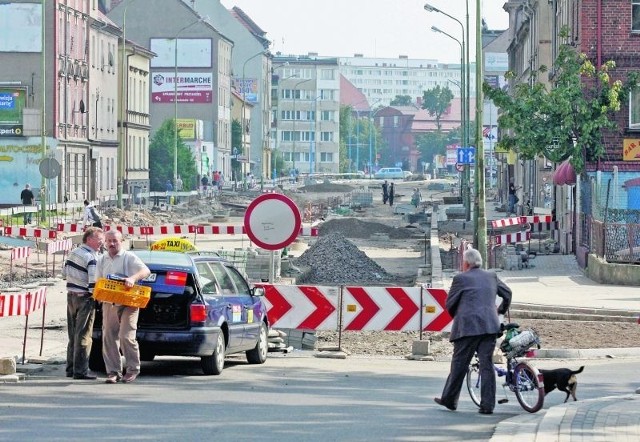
(86, 376)
(439, 401)
(483, 411)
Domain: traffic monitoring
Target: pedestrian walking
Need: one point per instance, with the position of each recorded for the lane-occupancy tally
(385, 192)
(416, 197)
(91, 216)
(27, 197)
(120, 322)
(471, 302)
(80, 273)
(392, 194)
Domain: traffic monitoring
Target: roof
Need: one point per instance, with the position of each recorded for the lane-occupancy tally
(351, 96)
(251, 26)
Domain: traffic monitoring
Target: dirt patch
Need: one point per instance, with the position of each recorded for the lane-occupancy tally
(357, 228)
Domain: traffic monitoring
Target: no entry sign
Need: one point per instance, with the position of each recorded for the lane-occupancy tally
(272, 221)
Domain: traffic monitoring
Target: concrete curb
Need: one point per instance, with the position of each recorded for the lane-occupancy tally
(587, 353)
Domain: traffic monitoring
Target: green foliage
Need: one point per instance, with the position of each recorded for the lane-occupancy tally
(356, 134)
(436, 101)
(161, 155)
(565, 121)
(401, 100)
(236, 143)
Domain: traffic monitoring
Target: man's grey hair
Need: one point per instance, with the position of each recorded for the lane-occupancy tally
(472, 257)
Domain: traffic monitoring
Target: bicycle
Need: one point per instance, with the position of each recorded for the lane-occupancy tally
(521, 378)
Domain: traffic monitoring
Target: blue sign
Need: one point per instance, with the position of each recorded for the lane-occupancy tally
(466, 155)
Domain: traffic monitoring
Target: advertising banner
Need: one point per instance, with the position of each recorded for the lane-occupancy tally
(189, 87)
(12, 102)
(186, 128)
(631, 150)
(248, 88)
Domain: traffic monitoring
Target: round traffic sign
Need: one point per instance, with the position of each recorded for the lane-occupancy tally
(49, 168)
(272, 221)
(459, 167)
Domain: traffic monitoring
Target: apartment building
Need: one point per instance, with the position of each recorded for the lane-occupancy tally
(306, 113)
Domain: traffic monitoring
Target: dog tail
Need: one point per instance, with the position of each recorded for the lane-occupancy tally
(579, 370)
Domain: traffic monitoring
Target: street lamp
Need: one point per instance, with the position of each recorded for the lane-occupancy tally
(244, 100)
(175, 95)
(464, 192)
(123, 108)
(464, 99)
(371, 129)
(293, 131)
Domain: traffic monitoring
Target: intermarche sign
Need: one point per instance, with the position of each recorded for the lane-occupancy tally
(361, 308)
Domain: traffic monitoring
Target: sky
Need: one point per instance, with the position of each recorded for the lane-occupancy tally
(374, 28)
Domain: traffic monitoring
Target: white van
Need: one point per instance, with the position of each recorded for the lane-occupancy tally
(389, 173)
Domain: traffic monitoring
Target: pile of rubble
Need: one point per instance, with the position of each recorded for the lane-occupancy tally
(356, 228)
(333, 259)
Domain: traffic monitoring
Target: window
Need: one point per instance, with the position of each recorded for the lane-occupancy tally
(634, 109)
(635, 15)
(326, 136)
(326, 157)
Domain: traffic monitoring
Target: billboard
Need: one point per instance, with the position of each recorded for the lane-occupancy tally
(186, 128)
(19, 161)
(191, 53)
(12, 103)
(248, 88)
(189, 87)
(21, 27)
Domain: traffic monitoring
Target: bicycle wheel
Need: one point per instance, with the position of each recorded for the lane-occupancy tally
(473, 382)
(529, 387)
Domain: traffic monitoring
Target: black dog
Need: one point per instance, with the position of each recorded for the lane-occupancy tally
(563, 379)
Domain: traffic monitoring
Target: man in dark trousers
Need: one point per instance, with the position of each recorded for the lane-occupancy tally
(472, 305)
(392, 194)
(27, 200)
(385, 192)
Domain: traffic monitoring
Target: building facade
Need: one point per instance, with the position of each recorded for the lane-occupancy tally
(306, 113)
(382, 79)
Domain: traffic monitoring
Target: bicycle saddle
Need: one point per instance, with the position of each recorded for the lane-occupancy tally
(509, 326)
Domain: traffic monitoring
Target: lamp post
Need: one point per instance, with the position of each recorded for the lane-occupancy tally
(463, 183)
(244, 100)
(371, 130)
(464, 99)
(123, 108)
(175, 96)
(480, 217)
(293, 130)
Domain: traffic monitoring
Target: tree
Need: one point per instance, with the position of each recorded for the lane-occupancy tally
(161, 153)
(401, 100)
(436, 101)
(566, 121)
(236, 143)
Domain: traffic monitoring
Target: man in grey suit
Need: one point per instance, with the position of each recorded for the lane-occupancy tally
(472, 305)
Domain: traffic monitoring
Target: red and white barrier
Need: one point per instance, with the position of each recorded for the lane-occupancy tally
(22, 304)
(510, 238)
(506, 222)
(63, 245)
(363, 308)
(30, 232)
(172, 229)
(302, 307)
(20, 252)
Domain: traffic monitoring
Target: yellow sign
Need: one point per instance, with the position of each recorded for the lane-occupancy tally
(186, 128)
(631, 149)
(173, 245)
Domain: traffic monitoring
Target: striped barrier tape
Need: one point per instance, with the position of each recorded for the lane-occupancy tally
(172, 229)
(20, 252)
(22, 304)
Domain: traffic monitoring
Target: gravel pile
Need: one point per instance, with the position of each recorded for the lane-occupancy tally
(356, 228)
(333, 260)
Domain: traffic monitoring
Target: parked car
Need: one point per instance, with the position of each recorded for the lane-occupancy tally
(407, 175)
(200, 306)
(389, 173)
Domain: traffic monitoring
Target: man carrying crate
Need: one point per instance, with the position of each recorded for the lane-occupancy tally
(80, 273)
(120, 322)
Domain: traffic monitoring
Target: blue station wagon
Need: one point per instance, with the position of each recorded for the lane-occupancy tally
(200, 306)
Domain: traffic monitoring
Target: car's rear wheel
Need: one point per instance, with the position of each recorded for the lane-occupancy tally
(258, 355)
(215, 363)
(96, 361)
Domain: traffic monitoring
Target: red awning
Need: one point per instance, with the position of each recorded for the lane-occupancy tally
(565, 174)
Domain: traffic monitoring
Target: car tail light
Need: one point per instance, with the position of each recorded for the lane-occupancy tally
(198, 313)
(176, 278)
